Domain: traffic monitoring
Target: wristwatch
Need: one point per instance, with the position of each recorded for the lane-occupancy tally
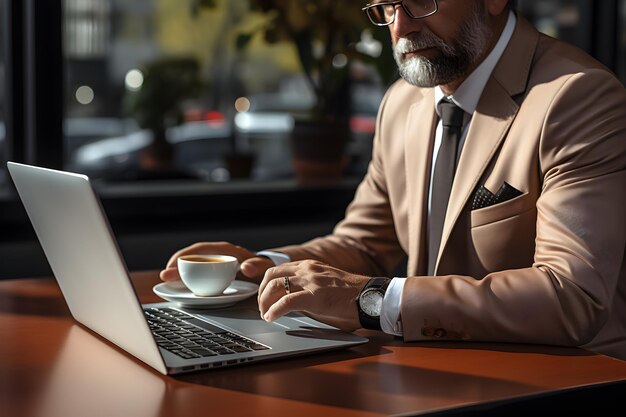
(370, 302)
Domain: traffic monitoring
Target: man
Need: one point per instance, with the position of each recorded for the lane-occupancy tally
(512, 212)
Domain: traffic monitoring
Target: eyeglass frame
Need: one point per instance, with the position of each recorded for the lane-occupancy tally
(395, 3)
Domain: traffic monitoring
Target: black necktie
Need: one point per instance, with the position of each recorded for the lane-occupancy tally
(443, 176)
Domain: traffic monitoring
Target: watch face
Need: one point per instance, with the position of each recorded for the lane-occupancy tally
(371, 302)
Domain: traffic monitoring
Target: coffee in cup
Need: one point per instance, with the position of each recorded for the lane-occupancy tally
(207, 275)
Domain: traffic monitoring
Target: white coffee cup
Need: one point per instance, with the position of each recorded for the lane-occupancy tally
(207, 275)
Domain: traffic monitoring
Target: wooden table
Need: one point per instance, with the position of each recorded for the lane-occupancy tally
(50, 366)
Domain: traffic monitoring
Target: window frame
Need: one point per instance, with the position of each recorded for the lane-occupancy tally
(34, 81)
(604, 32)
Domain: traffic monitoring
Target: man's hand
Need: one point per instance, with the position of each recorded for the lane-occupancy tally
(323, 292)
(252, 267)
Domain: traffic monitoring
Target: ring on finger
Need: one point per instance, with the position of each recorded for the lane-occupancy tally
(286, 285)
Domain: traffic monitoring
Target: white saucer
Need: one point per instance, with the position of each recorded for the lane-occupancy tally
(178, 293)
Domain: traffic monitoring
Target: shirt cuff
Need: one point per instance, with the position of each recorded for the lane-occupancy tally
(390, 313)
(276, 257)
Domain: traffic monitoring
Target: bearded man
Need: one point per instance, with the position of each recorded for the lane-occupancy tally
(499, 168)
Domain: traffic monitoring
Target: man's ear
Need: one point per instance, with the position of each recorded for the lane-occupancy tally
(496, 7)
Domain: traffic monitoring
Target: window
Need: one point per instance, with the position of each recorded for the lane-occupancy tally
(596, 27)
(162, 89)
(82, 64)
(569, 20)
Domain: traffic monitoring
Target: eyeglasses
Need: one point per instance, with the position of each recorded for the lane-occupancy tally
(384, 13)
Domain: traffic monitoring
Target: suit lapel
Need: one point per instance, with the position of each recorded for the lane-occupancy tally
(491, 121)
(419, 134)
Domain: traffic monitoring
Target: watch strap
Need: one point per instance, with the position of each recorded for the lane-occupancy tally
(367, 321)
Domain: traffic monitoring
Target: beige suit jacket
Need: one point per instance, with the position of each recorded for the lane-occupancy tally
(546, 267)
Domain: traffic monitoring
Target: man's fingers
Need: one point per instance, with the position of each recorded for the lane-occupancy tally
(255, 267)
(272, 292)
(281, 271)
(169, 274)
(296, 301)
(172, 261)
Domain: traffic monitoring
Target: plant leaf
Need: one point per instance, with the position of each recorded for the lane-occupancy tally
(243, 39)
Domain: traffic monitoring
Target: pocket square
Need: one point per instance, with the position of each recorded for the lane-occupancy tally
(485, 198)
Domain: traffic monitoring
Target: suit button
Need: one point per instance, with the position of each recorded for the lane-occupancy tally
(428, 331)
(440, 332)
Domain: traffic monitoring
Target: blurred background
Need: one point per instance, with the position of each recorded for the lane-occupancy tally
(242, 120)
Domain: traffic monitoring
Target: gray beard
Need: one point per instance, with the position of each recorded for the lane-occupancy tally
(454, 60)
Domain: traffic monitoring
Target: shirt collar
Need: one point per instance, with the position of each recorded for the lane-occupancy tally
(469, 92)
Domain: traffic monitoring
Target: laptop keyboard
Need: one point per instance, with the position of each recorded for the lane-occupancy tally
(176, 332)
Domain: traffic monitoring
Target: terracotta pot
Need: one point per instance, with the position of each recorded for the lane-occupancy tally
(319, 151)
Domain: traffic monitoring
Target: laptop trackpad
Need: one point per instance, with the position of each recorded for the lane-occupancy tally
(248, 321)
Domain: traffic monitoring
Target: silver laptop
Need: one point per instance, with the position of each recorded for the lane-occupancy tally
(86, 261)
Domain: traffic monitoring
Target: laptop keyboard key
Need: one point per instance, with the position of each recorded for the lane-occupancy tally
(240, 349)
(203, 352)
(189, 338)
(205, 326)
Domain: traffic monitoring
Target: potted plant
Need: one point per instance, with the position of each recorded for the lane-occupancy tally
(157, 105)
(325, 34)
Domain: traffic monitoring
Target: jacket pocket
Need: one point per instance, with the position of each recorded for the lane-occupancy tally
(501, 211)
(503, 235)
